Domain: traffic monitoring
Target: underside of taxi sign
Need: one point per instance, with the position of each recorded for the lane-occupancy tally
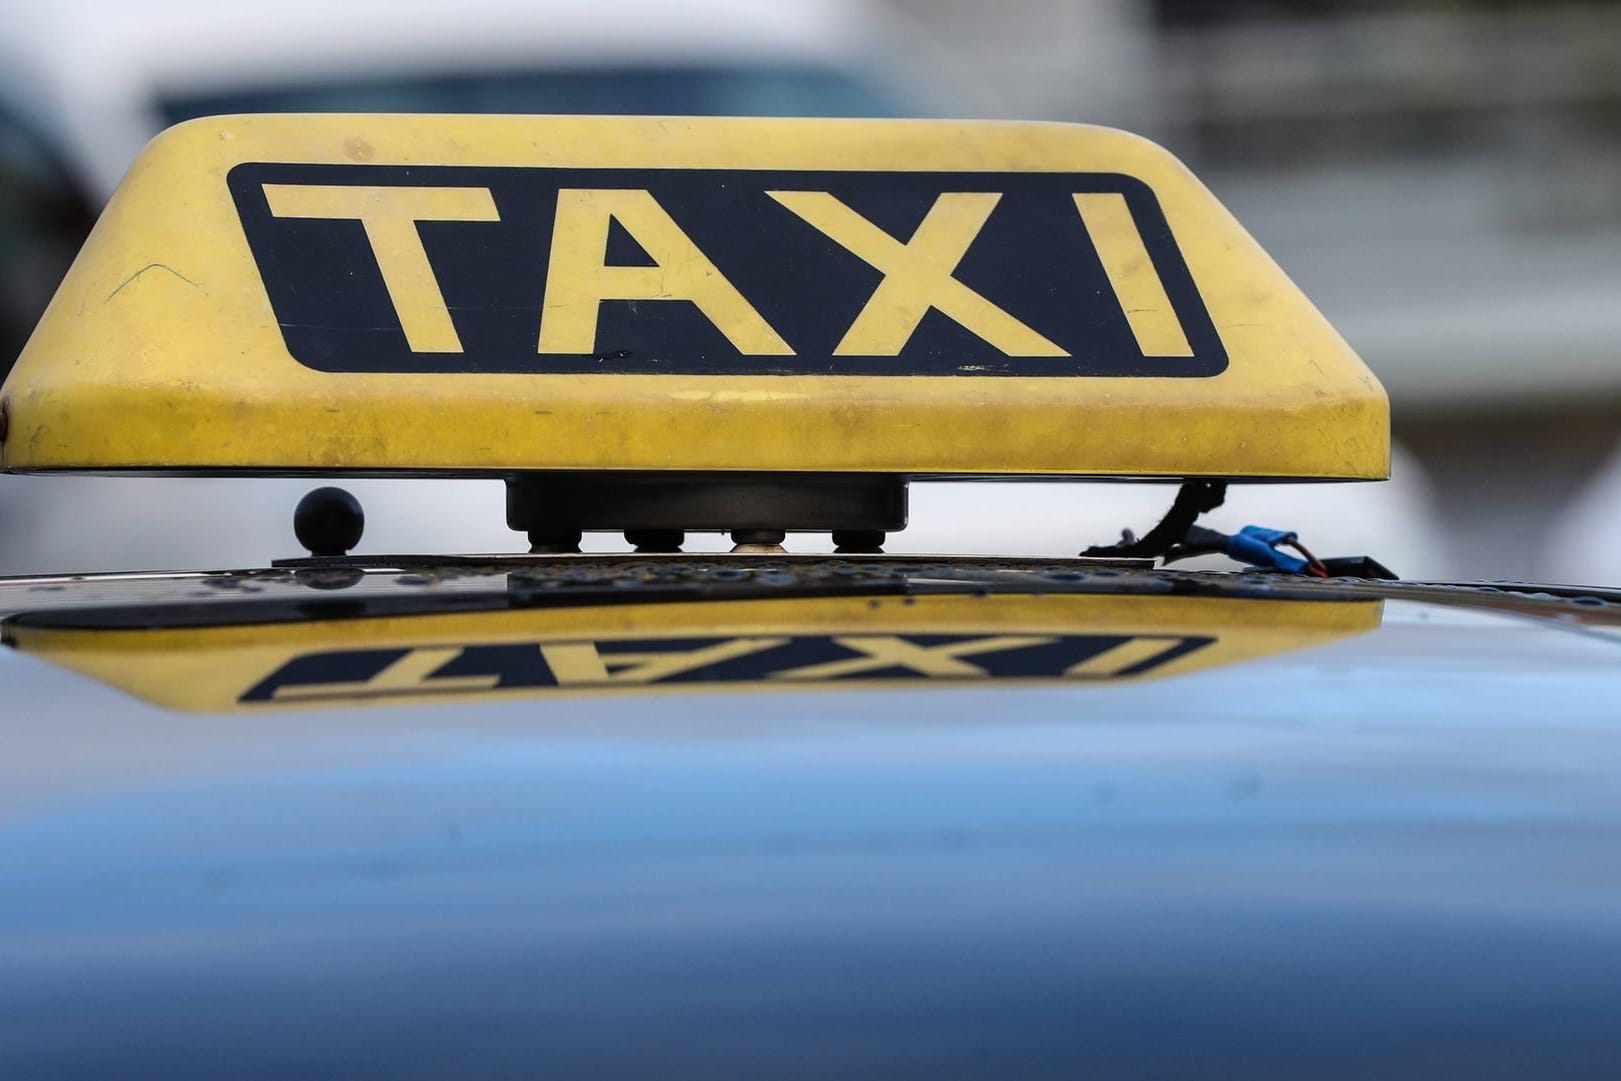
(588, 305)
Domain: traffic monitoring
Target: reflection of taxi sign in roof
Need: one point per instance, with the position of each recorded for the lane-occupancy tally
(210, 661)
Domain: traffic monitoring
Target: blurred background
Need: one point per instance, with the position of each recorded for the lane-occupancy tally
(1442, 177)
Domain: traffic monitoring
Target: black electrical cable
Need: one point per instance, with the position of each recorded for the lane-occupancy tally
(1198, 541)
(1177, 537)
(1194, 498)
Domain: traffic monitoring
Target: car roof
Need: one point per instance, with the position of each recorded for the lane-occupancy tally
(1389, 853)
(223, 641)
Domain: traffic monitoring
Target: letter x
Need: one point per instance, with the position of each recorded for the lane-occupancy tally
(917, 274)
(878, 652)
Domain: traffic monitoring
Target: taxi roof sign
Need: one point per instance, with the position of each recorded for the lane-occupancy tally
(494, 295)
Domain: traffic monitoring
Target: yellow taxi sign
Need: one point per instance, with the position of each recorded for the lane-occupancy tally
(489, 295)
(753, 645)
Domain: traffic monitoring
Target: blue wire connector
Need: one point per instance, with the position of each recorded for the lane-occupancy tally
(1258, 546)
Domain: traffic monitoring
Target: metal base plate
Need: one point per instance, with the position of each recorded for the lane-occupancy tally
(792, 502)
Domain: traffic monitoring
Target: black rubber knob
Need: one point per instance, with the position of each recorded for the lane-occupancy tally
(554, 540)
(329, 522)
(849, 541)
(655, 540)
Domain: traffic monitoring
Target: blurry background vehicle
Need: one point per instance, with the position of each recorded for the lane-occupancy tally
(112, 75)
(1442, 177)
(44, 215)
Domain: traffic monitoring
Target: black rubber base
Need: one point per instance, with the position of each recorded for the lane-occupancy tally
(554, 508)
(853, 541)
(655, 540)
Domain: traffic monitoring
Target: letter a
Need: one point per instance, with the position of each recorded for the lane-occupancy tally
(578, 279)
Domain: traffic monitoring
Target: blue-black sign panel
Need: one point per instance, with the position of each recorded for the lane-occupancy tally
(1032, 258)
(348, 674)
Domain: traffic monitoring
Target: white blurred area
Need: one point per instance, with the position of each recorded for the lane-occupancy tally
(175, 523)
(1442, 177)
(182, 523)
